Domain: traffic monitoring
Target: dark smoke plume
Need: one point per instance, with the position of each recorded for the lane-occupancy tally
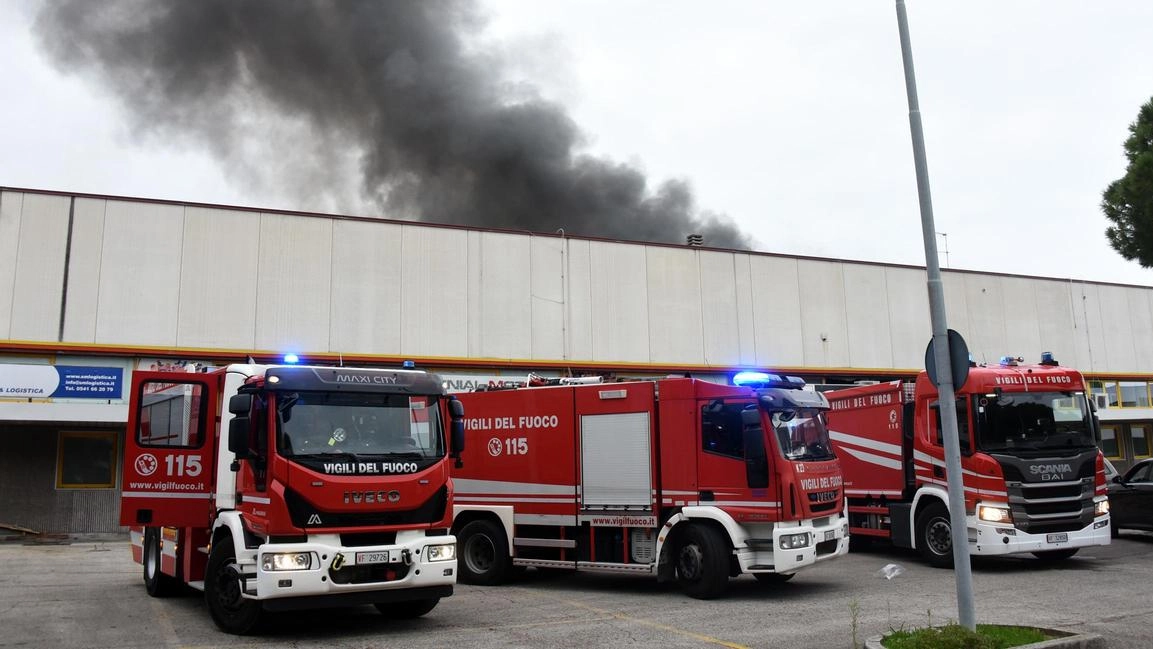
(311, 93)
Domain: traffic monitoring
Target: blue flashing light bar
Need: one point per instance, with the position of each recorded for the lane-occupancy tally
(408, 365)
(754, 378)
(291, 359)
(751, 379)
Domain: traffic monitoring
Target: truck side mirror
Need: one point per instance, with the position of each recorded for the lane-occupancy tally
(240, 404)
(456, 427)
(238, 436)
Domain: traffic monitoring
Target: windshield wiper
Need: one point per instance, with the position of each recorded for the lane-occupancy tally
(333, 455)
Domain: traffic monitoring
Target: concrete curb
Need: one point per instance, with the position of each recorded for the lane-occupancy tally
(1069, 641)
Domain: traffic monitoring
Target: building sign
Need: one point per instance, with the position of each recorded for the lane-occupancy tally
(61, 381)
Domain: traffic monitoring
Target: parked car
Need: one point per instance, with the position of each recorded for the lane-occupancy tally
(1131, 497)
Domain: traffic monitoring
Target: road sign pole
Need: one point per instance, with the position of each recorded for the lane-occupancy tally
(948, 410)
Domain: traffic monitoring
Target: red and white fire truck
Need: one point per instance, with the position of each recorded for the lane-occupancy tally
(1034, 479)
(679, 477)
(282, 487)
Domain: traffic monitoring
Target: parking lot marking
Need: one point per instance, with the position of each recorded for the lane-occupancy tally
(649, 623)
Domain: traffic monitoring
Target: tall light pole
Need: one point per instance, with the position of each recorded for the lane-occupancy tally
(948, 407)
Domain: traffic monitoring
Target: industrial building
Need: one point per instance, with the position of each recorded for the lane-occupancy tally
(93, 287)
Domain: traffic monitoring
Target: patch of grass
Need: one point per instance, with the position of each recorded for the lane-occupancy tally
(955, 636)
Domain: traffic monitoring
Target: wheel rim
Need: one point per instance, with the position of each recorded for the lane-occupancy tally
(228, 593)
(939, 536)
(690, 562)
(480, 553)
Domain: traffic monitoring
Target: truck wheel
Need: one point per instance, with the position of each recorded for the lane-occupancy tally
(223, 592)
(156, 582)
(773, 577)
(1056, 555)
(406, 610)
(934, 536)
(702, 562)
(483, 553)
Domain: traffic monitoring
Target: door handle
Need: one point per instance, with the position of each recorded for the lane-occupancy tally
(938, 472)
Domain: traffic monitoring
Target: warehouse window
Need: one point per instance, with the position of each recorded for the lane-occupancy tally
(1110, 445)
(1134, 394)
(1139, 434)
(86, 460)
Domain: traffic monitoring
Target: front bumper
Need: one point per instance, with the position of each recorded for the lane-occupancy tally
(828, 539)
(336, 572)
(991, 539)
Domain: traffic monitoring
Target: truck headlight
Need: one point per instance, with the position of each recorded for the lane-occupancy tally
(1101, 507)
(794, 541)
(994, 514)
(440, 552)
(280, 561)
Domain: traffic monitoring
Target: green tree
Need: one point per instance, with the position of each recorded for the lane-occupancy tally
(1128, 201)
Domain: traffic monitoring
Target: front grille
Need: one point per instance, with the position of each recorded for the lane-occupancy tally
(823, 501)
(1041, 508)
(1053, 493)
(304, 514)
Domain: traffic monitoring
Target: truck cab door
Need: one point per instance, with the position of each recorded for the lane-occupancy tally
(170, 450)
(732, 472)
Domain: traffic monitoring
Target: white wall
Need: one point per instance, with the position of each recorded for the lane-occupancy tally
(167, 275)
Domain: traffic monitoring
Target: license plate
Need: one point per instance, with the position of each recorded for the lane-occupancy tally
(1056, 538)
(371, 557)
(830, 535)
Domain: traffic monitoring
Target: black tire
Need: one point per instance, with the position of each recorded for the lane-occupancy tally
(406, 610)
(702, 562)
(1056, 555)
(156, 582)
(222, 592)
(773, 577)
(934, 535)
(1114, 531)
(482, 553)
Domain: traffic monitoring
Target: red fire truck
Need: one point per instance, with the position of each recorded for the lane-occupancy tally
(285, 487)
(1034, 479)
(679, 477)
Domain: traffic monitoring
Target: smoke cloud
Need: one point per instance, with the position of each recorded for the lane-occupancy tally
(384, 102)
(388, 102)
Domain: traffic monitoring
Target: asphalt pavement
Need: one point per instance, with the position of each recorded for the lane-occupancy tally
(89, 594)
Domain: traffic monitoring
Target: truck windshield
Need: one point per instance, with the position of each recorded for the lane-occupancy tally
(802, 434)
(318, 423)
(1033, 421)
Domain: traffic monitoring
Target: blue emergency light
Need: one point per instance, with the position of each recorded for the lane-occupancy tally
(408, 365)
(753, 379)
(291, 359)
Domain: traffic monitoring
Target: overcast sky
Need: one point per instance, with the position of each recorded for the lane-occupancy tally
(790, 118)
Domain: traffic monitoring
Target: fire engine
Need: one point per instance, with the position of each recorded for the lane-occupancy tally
(690, 480)
(1034, 479)
(279, 487)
